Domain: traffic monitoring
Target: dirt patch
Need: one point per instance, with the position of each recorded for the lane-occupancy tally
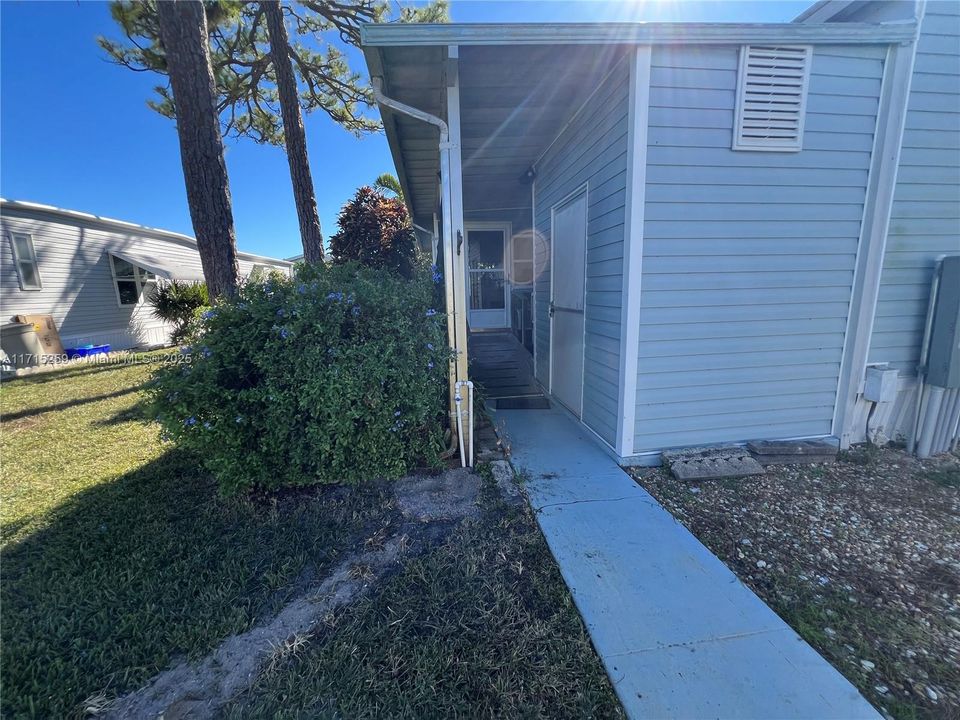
(433, 505)
(861, 557)
(450, 496)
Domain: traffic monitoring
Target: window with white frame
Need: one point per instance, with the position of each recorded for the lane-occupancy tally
(522, 258)
(25, 259)
(772, 97)
(131, 282)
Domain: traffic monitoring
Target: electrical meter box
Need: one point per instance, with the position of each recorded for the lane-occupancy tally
(943, 358)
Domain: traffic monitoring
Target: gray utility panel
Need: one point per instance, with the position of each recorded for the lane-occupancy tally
(943, 360)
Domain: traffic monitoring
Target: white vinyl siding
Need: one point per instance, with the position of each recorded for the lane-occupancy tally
(78, 285)
(771, 97)
(748, 257)
(925, 219)
(25, 260)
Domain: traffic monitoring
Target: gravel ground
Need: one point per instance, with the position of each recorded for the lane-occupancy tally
(861, 557)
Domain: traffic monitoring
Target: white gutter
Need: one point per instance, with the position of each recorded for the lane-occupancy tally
(405, 34)
(448, 243)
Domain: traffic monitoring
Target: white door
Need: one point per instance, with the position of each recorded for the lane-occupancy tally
(569, 233)
(487, 289)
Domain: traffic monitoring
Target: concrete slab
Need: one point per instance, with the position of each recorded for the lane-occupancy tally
(758, 676)
(711, 463)
(679, 634)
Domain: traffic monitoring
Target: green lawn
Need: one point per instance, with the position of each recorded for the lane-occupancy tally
(118, 554)
(119, 557)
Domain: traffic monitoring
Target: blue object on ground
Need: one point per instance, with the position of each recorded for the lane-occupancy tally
(679, 634)
(87, 350)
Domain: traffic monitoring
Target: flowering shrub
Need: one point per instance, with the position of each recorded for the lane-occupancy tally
(335, 375)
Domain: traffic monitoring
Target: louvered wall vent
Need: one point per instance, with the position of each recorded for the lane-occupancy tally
(771, 97)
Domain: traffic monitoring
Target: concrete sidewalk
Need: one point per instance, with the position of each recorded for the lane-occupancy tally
(679, 634)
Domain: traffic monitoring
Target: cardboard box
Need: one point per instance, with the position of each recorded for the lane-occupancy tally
(47, 333)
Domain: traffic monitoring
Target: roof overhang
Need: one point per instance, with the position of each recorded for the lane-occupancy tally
(161, 267)
(413, 34)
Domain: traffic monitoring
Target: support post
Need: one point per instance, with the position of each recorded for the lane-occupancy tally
(457, 230)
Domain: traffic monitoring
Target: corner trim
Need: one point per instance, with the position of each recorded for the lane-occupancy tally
(637, 128)
(871, 246)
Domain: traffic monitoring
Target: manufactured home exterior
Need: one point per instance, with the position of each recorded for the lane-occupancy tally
(924, 222)
(93, 274)
(719, 231)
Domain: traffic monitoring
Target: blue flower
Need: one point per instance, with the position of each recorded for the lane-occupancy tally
(242, 305)
(190, 421)
(207, 425)
(284, 333)
(430, 365)
(397, 414)
(338, 296)
(431, 312)
(437, 275)
(209, 314)
(239, 419)
(301, 288)
(355, 310)
(429, 346)
(281, 312)
(206, 352)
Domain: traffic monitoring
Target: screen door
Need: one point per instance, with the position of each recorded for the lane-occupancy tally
(488, 282)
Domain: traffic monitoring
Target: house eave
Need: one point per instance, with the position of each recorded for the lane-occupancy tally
(14, 206)
(410, 34)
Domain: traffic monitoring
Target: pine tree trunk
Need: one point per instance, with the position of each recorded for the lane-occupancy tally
(183, 30)
(294, 135)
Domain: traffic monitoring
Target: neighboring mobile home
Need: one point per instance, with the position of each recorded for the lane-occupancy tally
(94, 274)
(699, 211)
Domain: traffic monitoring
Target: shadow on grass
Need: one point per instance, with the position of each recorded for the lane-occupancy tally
(9, 417)
(68, 371)
(125, 577)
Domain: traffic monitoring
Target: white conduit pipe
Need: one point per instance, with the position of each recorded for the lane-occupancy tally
(448, 249)
(466, 455)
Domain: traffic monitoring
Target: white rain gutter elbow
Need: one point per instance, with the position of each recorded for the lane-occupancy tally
(409, 110)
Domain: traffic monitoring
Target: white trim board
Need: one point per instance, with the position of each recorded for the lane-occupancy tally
(405, 34)
(639, 113)
(881, 183)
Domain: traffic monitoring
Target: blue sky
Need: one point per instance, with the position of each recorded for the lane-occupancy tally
(75, 130)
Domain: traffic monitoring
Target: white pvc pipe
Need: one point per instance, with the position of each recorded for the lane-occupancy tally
(458, 399)
(466, 453)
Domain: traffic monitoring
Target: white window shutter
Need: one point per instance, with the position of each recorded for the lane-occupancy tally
(772, 97)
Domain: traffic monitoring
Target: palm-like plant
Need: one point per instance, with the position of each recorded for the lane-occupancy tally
(176, 302)
(387, 183)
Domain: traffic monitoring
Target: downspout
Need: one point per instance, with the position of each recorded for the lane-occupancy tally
(447, 236)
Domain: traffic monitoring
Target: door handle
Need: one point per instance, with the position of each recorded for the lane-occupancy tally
(552, 306)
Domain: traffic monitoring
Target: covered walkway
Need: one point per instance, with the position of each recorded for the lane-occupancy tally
(679, 634)
(502, 366)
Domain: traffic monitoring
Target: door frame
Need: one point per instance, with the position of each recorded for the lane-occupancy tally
(584, 190)
(507, 228)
